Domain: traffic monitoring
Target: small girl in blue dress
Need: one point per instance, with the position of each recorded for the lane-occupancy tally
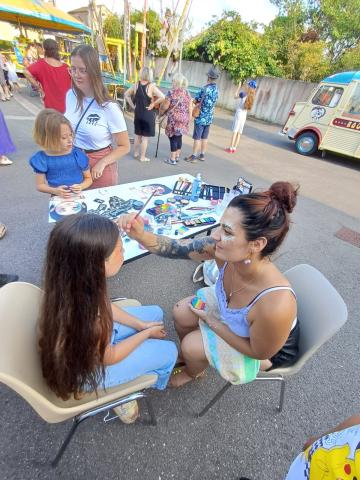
(60, 168)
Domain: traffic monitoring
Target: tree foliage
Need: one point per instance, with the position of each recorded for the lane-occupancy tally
(308, 40)
(234, 46)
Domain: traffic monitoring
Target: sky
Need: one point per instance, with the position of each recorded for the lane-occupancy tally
(202, 11)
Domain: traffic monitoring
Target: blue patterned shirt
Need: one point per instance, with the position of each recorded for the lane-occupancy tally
(210, 94)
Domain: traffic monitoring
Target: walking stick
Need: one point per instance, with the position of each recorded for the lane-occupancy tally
(160, 121)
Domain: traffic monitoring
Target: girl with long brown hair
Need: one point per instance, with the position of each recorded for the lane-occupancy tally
(97, 120)
(86, 342)
(253, 310)
(246, 98)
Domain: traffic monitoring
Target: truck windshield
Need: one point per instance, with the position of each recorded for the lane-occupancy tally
(327, 96)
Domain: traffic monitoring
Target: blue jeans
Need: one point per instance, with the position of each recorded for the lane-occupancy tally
(152, 356)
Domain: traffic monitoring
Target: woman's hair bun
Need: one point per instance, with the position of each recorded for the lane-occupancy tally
(285, 193)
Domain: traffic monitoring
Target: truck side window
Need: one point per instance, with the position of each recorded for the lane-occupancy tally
(352, 109)
(327, 96)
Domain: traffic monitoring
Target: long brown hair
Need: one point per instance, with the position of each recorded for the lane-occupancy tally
(90, 57)
(76, 319)
(250, 98)
(266, 214)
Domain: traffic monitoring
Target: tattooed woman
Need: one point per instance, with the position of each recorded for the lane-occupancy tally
(256, 304)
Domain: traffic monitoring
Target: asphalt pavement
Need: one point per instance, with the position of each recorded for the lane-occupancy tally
(242, 435)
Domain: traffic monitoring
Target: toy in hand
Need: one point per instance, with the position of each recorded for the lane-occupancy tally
(196, 302)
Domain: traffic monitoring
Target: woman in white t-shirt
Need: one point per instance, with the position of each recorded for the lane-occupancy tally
(98, 122)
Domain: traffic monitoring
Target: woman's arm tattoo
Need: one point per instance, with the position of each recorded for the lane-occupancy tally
(167, 247)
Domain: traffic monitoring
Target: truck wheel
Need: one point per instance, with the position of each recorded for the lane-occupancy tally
(307, 143)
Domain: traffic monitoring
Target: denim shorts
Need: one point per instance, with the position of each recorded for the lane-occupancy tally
(201, 132)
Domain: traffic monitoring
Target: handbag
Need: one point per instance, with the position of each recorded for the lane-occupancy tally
(197, 109)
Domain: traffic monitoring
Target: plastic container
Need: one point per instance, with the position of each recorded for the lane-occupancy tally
(196, 188)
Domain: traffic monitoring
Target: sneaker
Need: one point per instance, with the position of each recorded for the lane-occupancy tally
(191, 159)
(5, 161)
(128, 412)
(202, 157)
(169, 161)
(6, 278)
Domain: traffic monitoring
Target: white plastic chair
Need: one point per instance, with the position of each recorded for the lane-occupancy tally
(321, 313)
(20, 367)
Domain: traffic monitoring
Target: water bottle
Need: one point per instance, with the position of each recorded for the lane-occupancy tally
(196, 188)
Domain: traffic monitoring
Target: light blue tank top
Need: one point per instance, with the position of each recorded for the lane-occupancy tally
(236, 318)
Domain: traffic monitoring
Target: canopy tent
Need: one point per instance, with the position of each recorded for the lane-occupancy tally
(37, 14)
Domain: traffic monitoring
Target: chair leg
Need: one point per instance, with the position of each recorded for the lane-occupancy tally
(278, 378)
(151, 411)
(76, 423)
(215, 399)
(282, 394)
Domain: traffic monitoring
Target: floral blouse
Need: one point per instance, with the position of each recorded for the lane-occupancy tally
(178, 112)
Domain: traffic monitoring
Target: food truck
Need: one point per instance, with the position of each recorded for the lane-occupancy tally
(330, 119)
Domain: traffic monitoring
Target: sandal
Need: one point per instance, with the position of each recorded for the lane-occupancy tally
(146, 159)
(180, 377)
(3, 230)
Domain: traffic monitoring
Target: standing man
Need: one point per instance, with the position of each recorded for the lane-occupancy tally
(50, 76)
(205, 100)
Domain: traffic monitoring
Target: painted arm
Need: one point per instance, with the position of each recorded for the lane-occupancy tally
(194, 249)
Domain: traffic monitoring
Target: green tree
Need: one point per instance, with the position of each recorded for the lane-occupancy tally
(153, 24)
(113, 26)
(233, 45)
(338, 22)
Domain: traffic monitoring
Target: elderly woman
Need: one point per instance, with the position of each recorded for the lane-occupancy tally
(178, 107)
(144, 93)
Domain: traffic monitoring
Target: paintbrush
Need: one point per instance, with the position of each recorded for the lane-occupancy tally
(146, 203)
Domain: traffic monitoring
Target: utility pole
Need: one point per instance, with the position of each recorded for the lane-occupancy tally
(176, 35)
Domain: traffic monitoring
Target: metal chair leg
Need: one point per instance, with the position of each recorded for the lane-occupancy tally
(215, 399)
(278, 378)
(151, 411)
(76, 423)
(282, 394)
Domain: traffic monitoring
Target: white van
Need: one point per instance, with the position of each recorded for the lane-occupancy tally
(330, 119)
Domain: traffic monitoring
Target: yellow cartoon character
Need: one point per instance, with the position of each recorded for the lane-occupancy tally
(334, 464)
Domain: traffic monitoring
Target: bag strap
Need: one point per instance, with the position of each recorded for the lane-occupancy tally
(83, 115)
(197, 277)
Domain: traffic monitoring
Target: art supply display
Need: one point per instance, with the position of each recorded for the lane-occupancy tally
(183, 187)
(166, 210)
(196, 302)
(199, 222)
(196, 188)
(243, 186)
(213, 192)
